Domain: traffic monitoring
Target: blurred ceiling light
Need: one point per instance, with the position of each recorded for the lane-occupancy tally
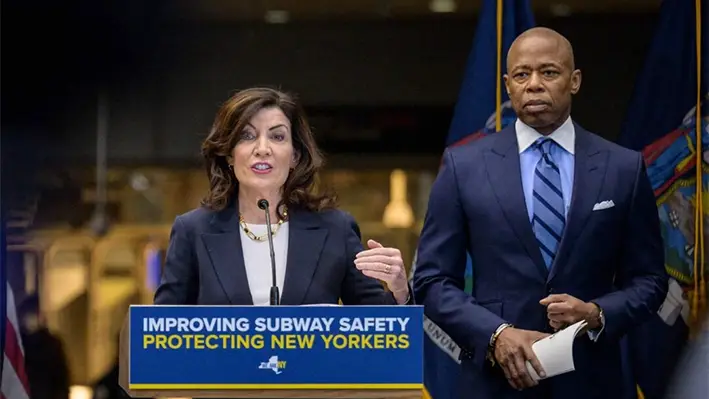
(139, 182)
(80, 392)
(277, 16)
(398, 213)
(442, 6)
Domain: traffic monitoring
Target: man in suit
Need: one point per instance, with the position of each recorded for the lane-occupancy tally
(561, 226)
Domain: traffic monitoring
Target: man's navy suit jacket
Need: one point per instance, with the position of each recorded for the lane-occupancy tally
(613, 257)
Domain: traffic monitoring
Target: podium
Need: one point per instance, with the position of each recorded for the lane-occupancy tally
(314, 351)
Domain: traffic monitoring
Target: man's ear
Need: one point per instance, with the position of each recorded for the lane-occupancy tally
(575, 81)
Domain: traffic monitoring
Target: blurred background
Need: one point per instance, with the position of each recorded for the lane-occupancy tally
(105, 103)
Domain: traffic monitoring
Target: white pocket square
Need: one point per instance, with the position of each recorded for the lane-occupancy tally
(603, 205)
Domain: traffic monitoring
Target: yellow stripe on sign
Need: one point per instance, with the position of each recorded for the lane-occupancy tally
(271, 386)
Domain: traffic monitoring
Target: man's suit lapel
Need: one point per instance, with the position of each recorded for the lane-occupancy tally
(227, 256)
(503, 169)
(305, 244)
(589, 172)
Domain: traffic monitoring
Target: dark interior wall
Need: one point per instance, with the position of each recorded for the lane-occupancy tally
(165, 80)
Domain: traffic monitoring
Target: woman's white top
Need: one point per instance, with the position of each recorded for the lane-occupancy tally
(257, 260)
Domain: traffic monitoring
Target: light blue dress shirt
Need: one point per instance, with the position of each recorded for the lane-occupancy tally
(563, 155)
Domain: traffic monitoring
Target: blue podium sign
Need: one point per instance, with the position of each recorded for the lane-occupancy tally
(275, 347)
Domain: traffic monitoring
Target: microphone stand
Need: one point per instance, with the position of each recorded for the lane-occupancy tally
(275, 296)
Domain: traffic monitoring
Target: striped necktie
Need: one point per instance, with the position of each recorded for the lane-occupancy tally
(548, 205)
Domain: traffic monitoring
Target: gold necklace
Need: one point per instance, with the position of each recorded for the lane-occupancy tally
(253, 236)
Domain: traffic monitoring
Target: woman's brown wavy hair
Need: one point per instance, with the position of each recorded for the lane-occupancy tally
(232, 117)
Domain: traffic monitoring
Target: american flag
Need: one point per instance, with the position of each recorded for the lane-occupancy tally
(14, 384)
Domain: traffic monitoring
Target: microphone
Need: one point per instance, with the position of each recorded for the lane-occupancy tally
(275, 299)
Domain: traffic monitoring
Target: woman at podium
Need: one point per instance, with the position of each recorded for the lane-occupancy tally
(262, 236)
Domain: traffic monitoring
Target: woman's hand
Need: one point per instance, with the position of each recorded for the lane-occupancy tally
(385, 264)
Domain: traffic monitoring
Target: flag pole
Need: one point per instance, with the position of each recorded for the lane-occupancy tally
(699, 283)
(702, 287)
(498, 80)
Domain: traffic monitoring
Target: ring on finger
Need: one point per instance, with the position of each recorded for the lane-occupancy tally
(387, 269)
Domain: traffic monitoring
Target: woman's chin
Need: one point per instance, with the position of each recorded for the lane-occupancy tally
(262, 183)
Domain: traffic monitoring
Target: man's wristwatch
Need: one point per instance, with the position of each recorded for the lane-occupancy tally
(601, 318)
(493, 340)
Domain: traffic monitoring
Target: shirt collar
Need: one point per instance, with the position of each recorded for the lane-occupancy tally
(564, 135)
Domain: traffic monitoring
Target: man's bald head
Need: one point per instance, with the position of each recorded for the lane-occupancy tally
(544, 34)
(541, 78)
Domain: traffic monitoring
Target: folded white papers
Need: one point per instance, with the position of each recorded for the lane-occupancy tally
(556, 352)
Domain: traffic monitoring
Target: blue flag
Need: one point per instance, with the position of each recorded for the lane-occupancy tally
(482, 92)
(482, 108)
(662, 122)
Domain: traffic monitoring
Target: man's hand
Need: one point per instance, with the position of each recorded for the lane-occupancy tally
(564, 310)
(513, 348)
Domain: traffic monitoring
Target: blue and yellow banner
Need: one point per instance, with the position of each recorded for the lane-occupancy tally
(275, 347)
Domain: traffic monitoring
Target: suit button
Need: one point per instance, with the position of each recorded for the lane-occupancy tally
(550, 291)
